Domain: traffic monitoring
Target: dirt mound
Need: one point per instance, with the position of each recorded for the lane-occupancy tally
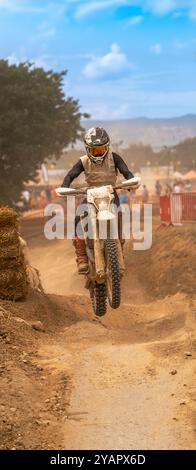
(32, 401)
(170, 265)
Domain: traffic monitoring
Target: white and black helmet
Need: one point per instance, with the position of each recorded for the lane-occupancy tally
(97, 138)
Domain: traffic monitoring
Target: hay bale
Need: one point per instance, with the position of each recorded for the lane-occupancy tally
(13, 275)
(10, 263)
(10, 256)
(13, 284)
(8, 235)
(10, 251)
(8, 217)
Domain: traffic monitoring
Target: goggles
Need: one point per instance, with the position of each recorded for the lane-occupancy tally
(98, 151)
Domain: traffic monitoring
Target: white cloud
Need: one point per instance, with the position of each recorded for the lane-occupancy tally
(134, 20)
(111, 63)
(156, 49)
(94, 6)
(83, 8)
(44, 61)
(156, 7)
(162, 104)
(35, 6)
(108, 111)
(13, 59)
(132, 98)
(22, 6)
(162, 7)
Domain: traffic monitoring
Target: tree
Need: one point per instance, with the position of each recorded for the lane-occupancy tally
(36, 122)
(138, 154)
(185, 153)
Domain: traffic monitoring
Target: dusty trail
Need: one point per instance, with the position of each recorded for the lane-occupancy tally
(130, 379)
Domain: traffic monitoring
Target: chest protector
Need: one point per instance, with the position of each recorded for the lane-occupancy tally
(99, 175)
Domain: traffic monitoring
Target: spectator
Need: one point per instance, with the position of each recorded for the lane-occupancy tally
(48, 193)
(144, 194)
(123, 196)
(158, 188)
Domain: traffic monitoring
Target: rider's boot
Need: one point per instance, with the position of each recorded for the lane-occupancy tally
(81, 256)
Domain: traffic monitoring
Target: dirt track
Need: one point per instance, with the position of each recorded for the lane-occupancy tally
(130, 378)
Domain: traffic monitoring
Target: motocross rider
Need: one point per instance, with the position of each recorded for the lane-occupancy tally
(100, 166)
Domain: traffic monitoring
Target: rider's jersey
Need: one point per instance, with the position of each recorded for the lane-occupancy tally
(97, 175)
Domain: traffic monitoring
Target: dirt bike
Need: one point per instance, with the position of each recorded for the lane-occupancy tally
(105, 255)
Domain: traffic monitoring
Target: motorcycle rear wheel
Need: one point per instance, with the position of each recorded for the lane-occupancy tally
(98, 294)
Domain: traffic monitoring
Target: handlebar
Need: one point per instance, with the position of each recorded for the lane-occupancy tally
(62, 192)
(132, 183)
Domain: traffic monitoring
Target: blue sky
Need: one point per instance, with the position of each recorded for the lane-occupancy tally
(125, 58)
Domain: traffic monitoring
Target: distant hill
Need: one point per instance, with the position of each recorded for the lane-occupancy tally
(156, 132)
(183, 156)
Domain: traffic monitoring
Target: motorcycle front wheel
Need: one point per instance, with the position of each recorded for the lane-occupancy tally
(113, 274)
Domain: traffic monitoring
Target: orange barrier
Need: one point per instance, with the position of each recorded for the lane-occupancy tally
(165, 210)
(178, 208)
(189, 206)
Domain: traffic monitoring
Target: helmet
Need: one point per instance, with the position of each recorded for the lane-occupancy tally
(97, 144)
